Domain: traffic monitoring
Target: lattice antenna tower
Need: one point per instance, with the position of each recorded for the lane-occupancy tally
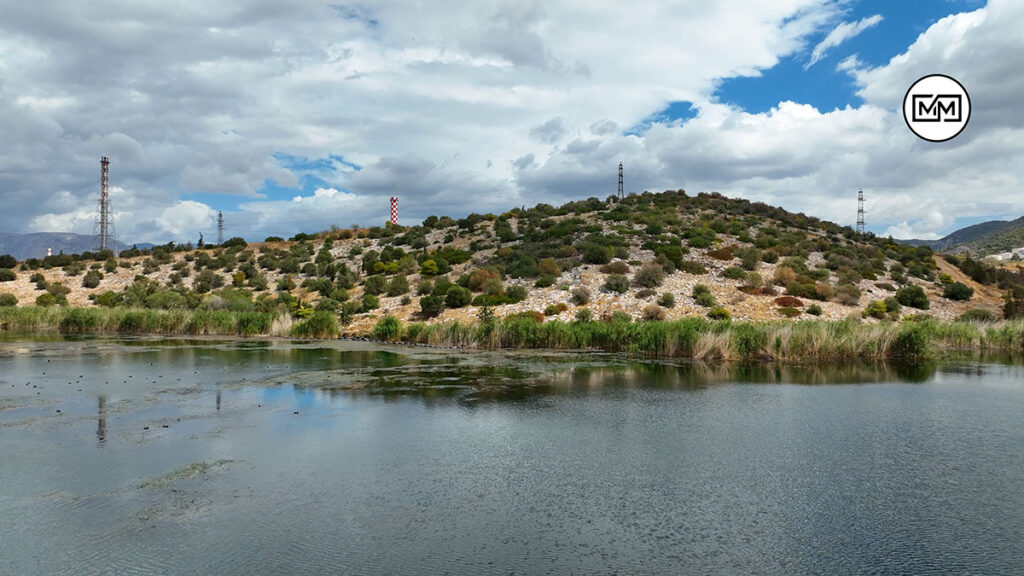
(860, 213)
(104, 218)
(394, 210)
(220, 227)
(620, 180)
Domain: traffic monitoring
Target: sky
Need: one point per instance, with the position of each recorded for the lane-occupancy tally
(296, 116)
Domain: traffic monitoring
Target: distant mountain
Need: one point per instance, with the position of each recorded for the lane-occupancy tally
(986, 238)
(24, 246)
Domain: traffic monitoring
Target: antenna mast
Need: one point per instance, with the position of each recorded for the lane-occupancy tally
(104, 220)
(860, 213)
(620, 180)
(220, 227)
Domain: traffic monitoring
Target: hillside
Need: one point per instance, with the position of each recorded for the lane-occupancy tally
(984, 239)
(649, 256)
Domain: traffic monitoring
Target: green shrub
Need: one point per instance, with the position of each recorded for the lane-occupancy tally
(544, 281)
(913, 296)
(617, 267)
(724, 254)
(374, 285)
(92, 279)
(580, 296)
(554, 309)
(481, 276)
(616, 283)
(702, 296)
(7, 300)
(976, 315)
(653, 312)
(397, 286)
(39, 280)
(431, 306)
(457, 297)
(958, 291)
(516, 293)
(848, 294)
(667, 300)
(691, 267)
(165, 300)
(594, 254)
(46, 299)
(750, 257)
(719, 313)
(370, 302)
(7, 275)
(735, 273)
(7, 261)
(789, 312)
(892, 305)
(649, 275)
(875, 309)
(814, 310)
(645, 293)
(322, 285)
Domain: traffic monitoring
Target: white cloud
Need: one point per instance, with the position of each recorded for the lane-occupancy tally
(840, 34)
(479, 108)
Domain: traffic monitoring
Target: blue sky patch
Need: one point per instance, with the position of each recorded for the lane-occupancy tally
(822, 85)
(680, 111)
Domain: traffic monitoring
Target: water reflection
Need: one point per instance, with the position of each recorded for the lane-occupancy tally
(101, 420)
(501, 378)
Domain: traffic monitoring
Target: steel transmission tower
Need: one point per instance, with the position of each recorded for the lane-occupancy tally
(620, 180)
(104, 220)
(860, 213)
(220, 227)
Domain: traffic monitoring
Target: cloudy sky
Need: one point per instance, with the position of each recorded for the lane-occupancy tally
(293, 116)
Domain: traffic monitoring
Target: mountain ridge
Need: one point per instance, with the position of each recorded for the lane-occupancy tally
(35, 244)
(983, 239)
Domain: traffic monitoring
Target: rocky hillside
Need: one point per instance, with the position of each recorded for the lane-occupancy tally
(649, 256)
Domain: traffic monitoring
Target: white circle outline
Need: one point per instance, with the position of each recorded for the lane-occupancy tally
(962, 126)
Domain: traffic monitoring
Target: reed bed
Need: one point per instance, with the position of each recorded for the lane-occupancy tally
(140, 321)
(690, 338)
(700, 339)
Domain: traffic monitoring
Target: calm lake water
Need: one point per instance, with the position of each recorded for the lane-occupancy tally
(230, 457)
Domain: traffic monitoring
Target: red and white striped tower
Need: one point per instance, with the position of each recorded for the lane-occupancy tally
(394, 210)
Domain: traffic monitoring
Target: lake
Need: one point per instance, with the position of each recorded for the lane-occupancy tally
(203, 456)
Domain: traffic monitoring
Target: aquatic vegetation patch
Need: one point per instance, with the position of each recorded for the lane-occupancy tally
(186, 472)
